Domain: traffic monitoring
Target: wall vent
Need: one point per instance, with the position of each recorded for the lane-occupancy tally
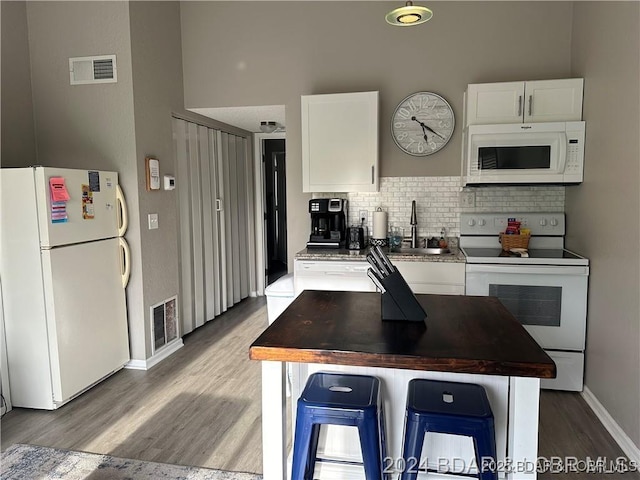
(164, 323)
(96, 69)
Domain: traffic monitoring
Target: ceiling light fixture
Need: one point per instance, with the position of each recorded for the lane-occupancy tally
(268, 127)
(409, 15)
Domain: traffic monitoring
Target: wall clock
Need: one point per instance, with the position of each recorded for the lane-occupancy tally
(422, 124)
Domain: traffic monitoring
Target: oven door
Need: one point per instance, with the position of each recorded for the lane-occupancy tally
(550, 301)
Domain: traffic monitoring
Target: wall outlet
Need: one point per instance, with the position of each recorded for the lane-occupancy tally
(364, 214)
(468, 199)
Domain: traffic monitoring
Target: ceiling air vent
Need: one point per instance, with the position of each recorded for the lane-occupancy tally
(97, 69)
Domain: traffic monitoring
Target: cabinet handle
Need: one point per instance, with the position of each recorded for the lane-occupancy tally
(530, 104)
(520, 106)
(218, 205)
(373, 168)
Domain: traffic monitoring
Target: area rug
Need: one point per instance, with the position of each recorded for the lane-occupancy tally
(32, 462)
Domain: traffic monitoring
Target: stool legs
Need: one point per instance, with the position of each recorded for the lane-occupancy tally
(383, 440)
(305, 450)
(483, 442)
(485, 447)
(301, 448)
(370, 445)
(313, 451)
(337, 399)
(412, 448)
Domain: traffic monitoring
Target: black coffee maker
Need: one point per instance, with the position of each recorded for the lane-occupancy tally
(328, 223)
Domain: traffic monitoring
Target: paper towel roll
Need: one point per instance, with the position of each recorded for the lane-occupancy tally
(379, 224)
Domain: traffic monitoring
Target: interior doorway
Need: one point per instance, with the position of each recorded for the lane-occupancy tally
(275, 204)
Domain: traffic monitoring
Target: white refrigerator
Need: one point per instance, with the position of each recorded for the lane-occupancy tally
(64, 267)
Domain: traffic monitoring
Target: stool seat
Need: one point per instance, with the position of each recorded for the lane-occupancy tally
(339, 399)
(448, 398)
(341, 391)
(453, 408)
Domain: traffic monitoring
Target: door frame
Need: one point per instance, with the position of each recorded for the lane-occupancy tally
(261, 253)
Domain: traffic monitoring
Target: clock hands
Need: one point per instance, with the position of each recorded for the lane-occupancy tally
(433, 131)
(427, 128)
(424, 132)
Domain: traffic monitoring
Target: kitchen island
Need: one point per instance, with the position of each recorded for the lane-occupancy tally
(467, 339)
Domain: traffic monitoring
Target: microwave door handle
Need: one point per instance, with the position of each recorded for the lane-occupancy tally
(562, 157)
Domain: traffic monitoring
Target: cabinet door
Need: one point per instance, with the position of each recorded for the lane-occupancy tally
(495, 103)
(553, 100)
(340, 142)
(445, 278)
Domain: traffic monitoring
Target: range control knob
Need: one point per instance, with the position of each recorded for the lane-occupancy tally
(554, 222)
(543, 222)
(481, 222)
(471, 222)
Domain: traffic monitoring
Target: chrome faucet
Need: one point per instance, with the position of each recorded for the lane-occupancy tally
(414, 226)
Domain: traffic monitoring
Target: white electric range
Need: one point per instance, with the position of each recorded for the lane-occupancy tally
(546, 290)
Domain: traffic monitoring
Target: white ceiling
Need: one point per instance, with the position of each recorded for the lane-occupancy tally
(247, 118)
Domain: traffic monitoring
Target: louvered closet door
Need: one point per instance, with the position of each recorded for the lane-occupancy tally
(219, 265)
(214, 174)
(223, 185)
(243, 215)
(209, 219)
(197, 241)
(228, 202)
(183, 184)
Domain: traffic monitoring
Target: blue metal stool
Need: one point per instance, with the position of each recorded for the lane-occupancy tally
(453, 408)
(339, 399)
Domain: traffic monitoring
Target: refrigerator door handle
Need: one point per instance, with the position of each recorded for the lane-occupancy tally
(123, 218)
(125, 261)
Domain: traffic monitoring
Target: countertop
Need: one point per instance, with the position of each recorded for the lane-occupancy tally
(342, 254)
(463, 334)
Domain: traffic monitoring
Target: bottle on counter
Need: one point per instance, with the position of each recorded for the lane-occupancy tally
(442, 243)
(365, 230)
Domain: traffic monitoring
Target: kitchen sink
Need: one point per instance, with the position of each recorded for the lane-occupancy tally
(421, 251)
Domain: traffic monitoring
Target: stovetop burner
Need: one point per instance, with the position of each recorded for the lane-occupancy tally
(479, 239)
(537, 256)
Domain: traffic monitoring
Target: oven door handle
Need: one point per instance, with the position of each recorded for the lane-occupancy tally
(529, 269)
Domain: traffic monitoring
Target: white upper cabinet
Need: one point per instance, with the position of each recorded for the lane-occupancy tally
(529, 102)
(340, 142)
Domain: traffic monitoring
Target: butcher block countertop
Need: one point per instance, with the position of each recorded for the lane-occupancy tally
(463, 334)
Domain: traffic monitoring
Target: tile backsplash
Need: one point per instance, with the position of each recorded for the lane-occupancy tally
(438, 202)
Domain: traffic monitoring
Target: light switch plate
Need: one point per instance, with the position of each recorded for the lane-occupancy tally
(153, 221)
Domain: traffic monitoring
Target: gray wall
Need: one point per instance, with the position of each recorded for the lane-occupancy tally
(18, 135)
(266, 53)
(105, 126)
(604, 211)
(157, 84)
(89, 126)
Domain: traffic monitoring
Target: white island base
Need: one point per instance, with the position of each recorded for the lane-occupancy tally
(514, 401)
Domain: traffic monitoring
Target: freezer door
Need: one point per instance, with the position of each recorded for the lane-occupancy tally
(86, 315)
(92, 209)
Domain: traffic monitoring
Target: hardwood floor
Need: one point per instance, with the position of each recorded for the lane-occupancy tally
(201, 407)
(569, 428)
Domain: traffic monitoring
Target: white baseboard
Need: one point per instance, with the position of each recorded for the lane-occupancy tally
(155, 359)
(626, 444)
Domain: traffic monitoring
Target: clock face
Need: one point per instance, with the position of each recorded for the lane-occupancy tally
(422, 124)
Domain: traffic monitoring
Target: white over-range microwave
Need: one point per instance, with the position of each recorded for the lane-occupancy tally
(524, 153)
